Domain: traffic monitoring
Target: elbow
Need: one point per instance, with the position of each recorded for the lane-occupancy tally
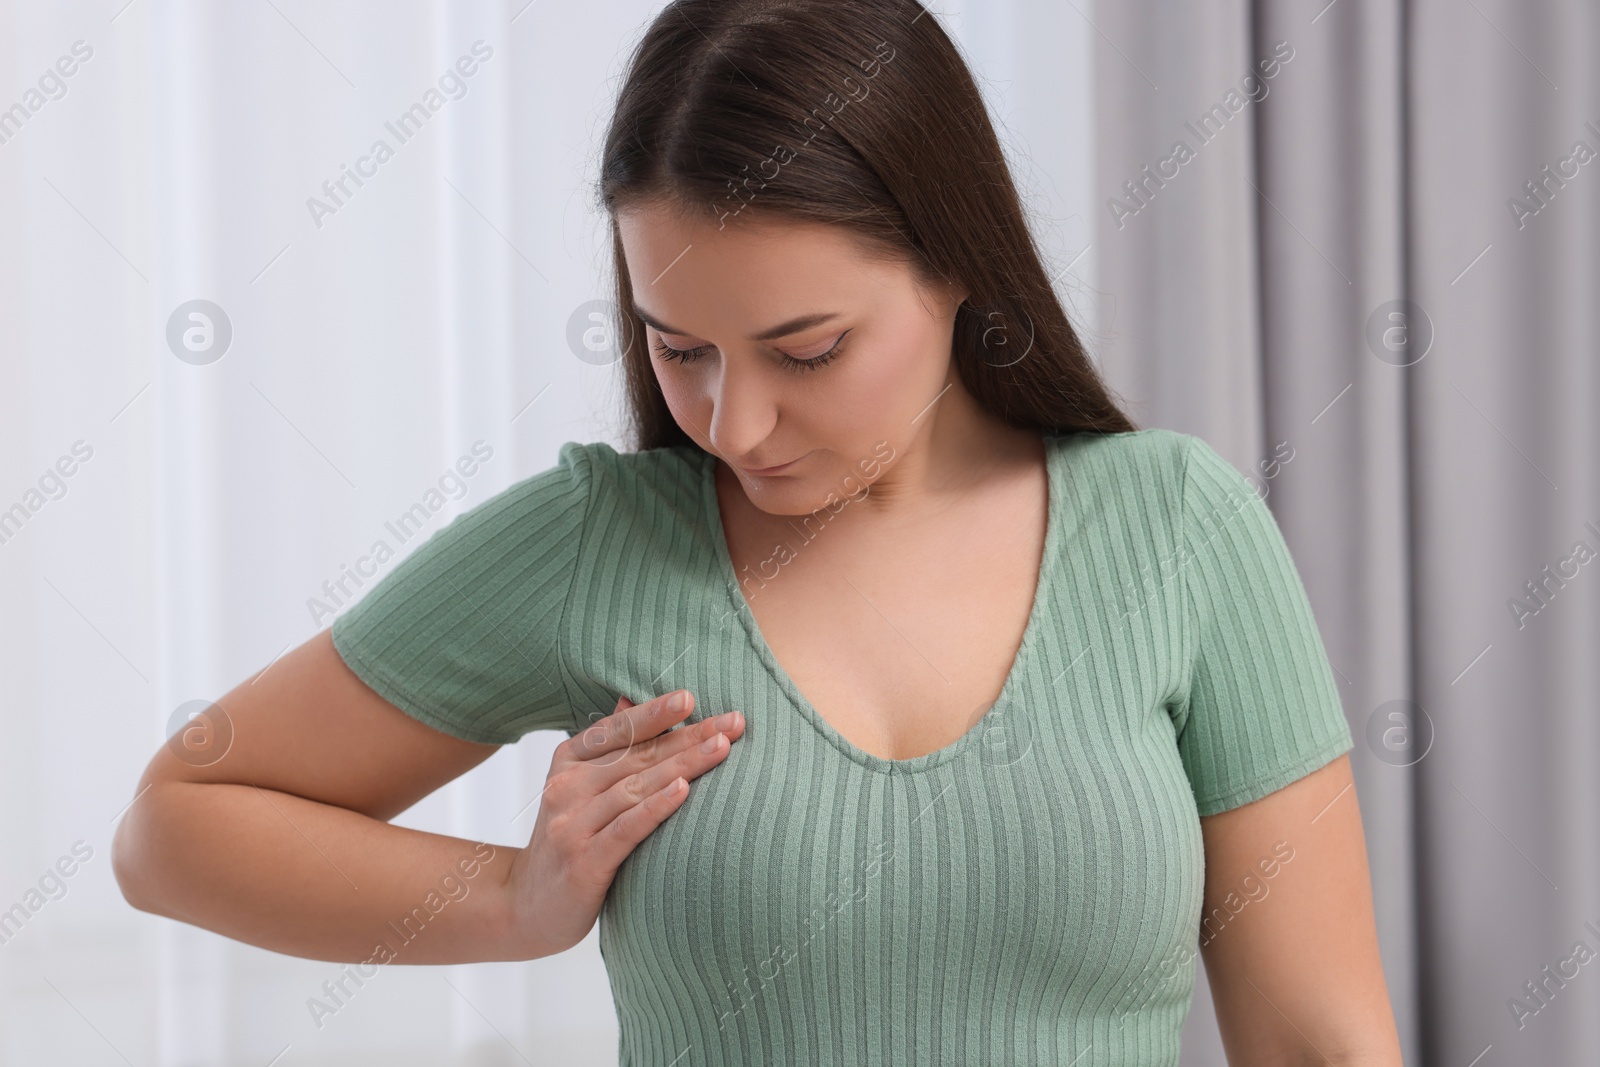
(1374, 1050)
(125, 866)
(1387, 1055)
(131, 861)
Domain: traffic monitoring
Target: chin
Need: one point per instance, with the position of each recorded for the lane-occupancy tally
(784, 495)
(795, 496)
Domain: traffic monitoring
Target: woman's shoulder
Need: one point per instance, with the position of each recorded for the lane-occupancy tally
(649, 478)
(1151, 460)
(590, 482)
(677, 457)
(1155, 475)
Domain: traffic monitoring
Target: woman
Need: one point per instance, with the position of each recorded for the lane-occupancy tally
(997, 710)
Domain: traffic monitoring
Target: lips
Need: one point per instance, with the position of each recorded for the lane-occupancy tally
(766, 472)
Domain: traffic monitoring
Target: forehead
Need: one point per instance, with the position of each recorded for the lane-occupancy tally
(688, 269)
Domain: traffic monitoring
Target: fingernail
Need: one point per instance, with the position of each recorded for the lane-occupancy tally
(676, 702)
(726, 720)
(711, 745)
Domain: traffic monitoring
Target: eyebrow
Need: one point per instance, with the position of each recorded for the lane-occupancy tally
(783, 329)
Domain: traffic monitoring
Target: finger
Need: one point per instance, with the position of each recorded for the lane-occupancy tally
(622, 703)
(627, 725)
(644, 754)
(622, 835)
(701, 748)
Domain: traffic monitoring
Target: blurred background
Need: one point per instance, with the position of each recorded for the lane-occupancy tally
(1355, 245)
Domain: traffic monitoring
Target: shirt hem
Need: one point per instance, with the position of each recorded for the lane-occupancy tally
(1318, 758)
(376, 680)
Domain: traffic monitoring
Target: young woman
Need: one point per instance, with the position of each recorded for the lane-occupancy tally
(921, 709)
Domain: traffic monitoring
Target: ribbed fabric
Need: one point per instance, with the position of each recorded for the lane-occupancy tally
(1030, 894)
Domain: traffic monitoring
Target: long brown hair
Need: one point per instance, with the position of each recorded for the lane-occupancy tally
(855, 113)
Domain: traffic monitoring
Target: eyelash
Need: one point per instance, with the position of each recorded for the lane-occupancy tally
(688, 355)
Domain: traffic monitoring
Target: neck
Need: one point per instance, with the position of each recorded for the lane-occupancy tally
(953, 445)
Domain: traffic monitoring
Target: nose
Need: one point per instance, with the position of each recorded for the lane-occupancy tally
(744, 408)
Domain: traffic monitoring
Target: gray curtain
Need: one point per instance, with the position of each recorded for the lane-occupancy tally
(1371, 283)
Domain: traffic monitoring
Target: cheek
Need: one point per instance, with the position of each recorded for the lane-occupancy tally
(896, 377)
(683, 390)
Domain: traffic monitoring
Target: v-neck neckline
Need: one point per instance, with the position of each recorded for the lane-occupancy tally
(712, 512)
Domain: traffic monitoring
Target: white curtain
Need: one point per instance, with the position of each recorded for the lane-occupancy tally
(354, 342)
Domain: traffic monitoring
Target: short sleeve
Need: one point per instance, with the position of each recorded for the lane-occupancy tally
(464, 634)
(1262, 707)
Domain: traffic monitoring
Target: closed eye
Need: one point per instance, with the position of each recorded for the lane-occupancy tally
(689, 355)
(815, 362)
(685, 355)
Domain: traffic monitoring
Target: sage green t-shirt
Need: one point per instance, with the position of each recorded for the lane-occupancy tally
(1030, 894)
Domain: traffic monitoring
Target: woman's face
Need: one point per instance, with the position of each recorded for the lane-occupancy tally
(785, 343)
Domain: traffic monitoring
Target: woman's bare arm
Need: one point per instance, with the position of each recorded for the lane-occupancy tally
(284, 842)
(1287, 934)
